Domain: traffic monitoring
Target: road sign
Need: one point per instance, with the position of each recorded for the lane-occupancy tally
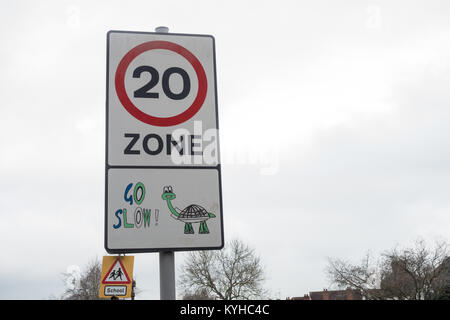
(163, 174)
(116, 277)
(117, 274)
(161, 100)
(163, 210)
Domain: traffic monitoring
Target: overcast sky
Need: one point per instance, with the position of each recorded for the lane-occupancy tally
(334, 129)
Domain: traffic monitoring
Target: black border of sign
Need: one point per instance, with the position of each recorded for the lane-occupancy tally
(107, 166)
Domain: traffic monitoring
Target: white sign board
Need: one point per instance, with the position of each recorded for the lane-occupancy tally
(162, 108)
(163, 177)
(157, 208)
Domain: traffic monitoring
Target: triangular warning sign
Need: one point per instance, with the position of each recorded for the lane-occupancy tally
(116, 274)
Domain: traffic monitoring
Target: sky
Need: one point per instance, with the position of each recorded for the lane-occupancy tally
(333, 123)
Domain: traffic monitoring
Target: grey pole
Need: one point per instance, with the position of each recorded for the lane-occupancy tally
(166, 258)
(162, 29)
(167, 275)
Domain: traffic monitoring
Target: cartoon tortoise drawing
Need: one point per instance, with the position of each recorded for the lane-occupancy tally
(189, 215)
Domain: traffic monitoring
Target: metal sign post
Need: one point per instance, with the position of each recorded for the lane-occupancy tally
(167, 275)
(166, 258)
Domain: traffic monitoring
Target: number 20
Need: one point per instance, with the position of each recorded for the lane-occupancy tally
(143, 92)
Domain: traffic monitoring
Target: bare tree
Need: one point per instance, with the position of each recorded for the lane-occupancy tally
(230, 274)
(201, 294)
(414, 273)
(364, 277)
(85, 287)
(417, 273)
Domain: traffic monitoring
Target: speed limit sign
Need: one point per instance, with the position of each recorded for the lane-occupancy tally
(162, 144)
(158, 83)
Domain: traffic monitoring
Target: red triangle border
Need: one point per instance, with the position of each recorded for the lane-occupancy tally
(104, 281)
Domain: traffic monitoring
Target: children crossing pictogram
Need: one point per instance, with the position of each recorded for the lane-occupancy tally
(117, 274)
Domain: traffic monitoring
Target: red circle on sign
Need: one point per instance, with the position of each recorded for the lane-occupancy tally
(144, 117)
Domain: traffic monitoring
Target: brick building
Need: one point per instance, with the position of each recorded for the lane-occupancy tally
(348, 294)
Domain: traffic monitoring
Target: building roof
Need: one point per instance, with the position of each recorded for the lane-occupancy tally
(348, 294)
